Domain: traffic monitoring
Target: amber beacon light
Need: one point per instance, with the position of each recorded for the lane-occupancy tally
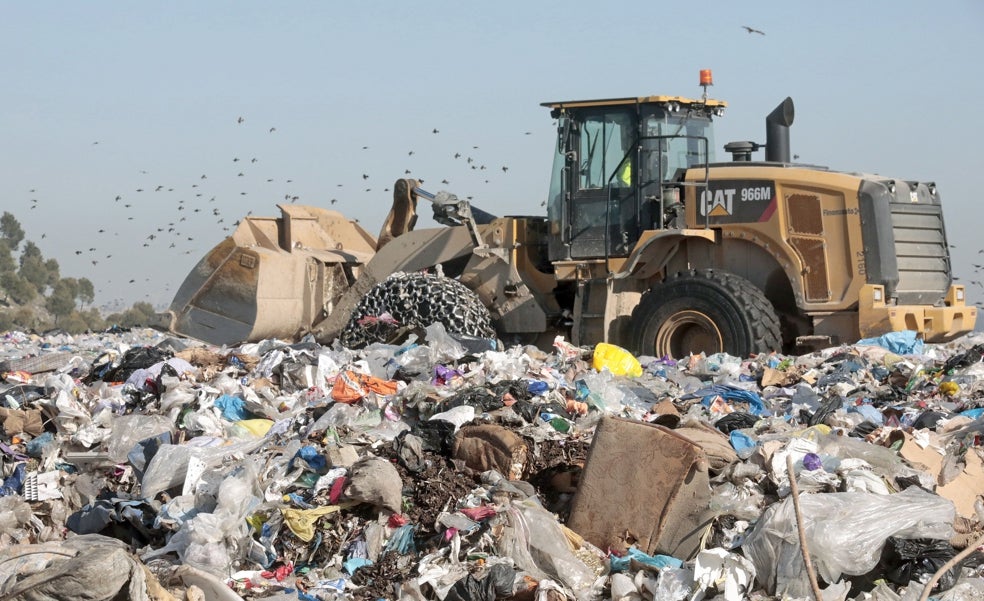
(706, 78)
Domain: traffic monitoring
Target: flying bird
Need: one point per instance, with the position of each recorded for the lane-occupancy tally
(240, 120)
(751, 30)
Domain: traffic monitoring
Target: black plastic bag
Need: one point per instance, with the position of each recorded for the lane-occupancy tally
(965, 359)
(863, 429)
(482, 399)
(916, 559)
(437, 435)
(826, 409)
(140, 357)
(497, 584)
(927, 419)
(738, 420)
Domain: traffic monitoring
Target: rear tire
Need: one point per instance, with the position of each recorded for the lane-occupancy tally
(705, 311)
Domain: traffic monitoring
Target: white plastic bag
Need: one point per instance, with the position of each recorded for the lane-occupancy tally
(128, 430)
(214, 541)
(845, 533)
(535, 541)
(169, 467)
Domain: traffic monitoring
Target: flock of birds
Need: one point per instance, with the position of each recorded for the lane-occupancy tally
(204, 213)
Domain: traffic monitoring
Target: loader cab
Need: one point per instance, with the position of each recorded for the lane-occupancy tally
(618, 169)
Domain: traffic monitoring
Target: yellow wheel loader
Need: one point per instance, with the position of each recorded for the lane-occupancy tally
(649, 243)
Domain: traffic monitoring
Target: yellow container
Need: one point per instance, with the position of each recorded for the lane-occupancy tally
(618, 360)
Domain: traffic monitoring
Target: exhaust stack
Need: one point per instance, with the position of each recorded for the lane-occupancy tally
(777, 132)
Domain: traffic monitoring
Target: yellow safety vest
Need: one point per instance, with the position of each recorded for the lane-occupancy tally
(626, 173)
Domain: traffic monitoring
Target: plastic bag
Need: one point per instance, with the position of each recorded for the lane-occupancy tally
(605, 394)
(885, 462)
(128, 430)
(845, 533)
(14, 513)
(616, 359)
(744, 501)
(443, 348)
(179, 393)
(537, 545)
(729, 573)
(919, 559)
(674, 584)
(132, 360)
(497, 583)
(719, 366)
(905, 342)
(169, 467)
(376, 481)
(214, 541)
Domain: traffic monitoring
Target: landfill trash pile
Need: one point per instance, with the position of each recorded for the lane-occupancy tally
(138, 465)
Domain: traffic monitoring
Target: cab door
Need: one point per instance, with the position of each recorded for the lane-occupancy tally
(603, 202)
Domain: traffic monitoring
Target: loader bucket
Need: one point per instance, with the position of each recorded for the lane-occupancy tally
(272, 278)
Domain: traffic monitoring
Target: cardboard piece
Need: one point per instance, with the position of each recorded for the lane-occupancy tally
(775, 377)
(963, 490)
(642, 485)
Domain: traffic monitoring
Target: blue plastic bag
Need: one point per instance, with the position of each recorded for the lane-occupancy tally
(900, 343)
(233, 408)
(621, 564)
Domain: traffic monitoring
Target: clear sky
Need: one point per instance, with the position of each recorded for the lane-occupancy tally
(143, 101)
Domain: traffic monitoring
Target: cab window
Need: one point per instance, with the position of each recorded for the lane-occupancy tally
(605, 140)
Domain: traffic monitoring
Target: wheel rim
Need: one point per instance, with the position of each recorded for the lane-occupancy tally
(686, 332)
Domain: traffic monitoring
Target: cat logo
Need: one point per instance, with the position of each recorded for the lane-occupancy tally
(717, 203)
(738, 201)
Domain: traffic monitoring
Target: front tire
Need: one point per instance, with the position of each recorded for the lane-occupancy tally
(415, 301)
(705, 311)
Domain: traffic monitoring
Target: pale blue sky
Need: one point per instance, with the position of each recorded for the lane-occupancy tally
(888, 87)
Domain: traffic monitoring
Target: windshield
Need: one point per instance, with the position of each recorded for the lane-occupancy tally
(681, 152)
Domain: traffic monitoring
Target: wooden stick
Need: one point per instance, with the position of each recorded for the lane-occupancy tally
(947, 566)
(794, 492)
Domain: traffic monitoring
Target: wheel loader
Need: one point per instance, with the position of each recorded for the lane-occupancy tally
(649, 242)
